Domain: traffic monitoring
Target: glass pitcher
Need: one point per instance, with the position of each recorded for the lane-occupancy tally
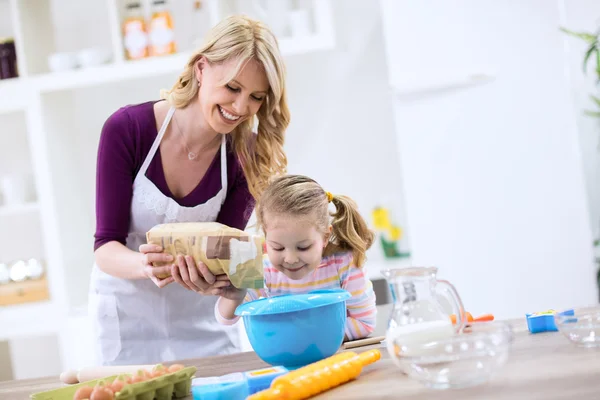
(417, 315)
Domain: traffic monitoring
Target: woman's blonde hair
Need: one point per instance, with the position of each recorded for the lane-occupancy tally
(242, 38)
(301, 196)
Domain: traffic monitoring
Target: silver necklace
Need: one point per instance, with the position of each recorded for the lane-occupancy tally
(191, 155)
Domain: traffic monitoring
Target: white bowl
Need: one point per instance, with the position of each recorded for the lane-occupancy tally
(581, 327)
(62, 61)
(93, 56)
(458, 361)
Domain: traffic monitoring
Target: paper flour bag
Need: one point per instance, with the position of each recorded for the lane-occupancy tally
(224, 250)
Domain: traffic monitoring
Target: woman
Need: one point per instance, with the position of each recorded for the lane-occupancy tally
(189, 157)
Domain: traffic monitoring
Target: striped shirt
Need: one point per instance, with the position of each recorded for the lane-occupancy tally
(335, 271)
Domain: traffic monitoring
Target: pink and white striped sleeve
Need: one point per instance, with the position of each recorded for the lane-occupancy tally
(221, 319)
(360, 308)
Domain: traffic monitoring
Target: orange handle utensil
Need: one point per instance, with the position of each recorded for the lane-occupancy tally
(484, 317)
(481, 318)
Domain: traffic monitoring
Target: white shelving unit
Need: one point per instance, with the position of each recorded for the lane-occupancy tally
(25, 318)
(58, 119)
(34, 42)
(13, 95)
(19, 209)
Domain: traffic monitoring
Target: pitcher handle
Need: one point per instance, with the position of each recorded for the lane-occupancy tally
(457, 304)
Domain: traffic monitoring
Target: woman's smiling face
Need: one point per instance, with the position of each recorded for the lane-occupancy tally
(226, 105)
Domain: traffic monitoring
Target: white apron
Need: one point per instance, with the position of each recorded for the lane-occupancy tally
(134, 321)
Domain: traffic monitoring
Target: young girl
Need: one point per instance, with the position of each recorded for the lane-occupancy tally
(306, 251)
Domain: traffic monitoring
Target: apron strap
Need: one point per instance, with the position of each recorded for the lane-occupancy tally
(157, 141)
(224, 166)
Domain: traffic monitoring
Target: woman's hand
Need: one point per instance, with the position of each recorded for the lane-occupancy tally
(197, 278)
(159, 275)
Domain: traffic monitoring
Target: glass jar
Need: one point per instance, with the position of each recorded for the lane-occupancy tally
(135, 36)
(162, 33)
(8, 59)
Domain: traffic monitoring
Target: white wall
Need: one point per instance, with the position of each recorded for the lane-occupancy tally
(494, 186)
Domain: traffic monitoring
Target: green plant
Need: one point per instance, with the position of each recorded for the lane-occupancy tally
(592, 54)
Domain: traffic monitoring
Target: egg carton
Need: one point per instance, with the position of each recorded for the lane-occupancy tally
(166, 387)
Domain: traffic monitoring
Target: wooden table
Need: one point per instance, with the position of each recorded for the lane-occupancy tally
(544, 366)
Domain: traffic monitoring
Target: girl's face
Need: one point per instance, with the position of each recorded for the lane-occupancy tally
(225, 106)
(294, 244)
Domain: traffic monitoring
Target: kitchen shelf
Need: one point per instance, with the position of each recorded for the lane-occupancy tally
(19, 209)
(28, 291)
(13, 95)
(125, 71)
(111, 73)
(32, 54)
(441, 86)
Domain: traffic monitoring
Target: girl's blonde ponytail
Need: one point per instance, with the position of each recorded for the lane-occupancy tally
(349, 229)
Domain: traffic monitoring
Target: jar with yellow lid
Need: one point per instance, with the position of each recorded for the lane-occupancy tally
(162, 31)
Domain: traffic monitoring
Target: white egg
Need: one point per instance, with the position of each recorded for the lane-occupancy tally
(35, 269)
(4, 274)
(18, 271)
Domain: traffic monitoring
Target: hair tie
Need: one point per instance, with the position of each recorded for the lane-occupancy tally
(329, 196)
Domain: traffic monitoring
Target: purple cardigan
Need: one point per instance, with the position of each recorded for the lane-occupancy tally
(126, 138)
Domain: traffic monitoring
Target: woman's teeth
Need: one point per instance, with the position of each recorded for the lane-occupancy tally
(230, 117)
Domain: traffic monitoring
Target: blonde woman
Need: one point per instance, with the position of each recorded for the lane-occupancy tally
(191, 156)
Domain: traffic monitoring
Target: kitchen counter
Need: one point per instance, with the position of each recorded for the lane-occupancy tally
(544, 365)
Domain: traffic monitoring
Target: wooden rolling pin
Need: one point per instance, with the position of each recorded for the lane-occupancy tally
(318, 377)
(363, 342)
(90, 373)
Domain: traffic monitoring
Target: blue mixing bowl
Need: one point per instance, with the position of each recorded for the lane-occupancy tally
(296, 330)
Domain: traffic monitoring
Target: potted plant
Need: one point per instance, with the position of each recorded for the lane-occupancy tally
(592, 54)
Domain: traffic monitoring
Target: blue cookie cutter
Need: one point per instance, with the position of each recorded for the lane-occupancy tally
(235, 386)
(544, 321)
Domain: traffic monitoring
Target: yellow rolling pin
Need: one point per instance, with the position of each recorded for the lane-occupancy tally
(318, 377)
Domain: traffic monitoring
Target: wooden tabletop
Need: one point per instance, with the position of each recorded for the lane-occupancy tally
(543, 365)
